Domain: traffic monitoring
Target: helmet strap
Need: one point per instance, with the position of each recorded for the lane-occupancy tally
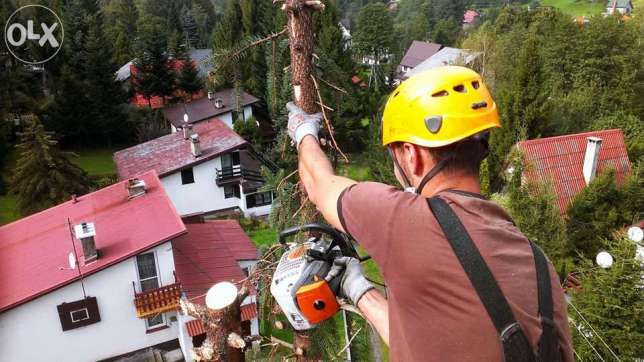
(433, 172)
(406, 184)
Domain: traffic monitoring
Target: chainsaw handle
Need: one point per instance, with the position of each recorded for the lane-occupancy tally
(337, 237)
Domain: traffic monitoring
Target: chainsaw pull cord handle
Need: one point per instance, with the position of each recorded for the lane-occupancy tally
(337, 238)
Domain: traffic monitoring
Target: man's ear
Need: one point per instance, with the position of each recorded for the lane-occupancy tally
(414, 158)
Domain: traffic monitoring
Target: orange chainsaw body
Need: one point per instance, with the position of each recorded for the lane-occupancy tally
(317, 301)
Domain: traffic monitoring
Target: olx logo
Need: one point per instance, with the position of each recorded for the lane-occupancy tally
(34, 34)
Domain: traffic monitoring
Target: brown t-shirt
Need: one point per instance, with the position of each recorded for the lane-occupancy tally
(434, 311)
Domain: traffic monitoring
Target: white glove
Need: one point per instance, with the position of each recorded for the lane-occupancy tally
(301, 124)
(353, 284)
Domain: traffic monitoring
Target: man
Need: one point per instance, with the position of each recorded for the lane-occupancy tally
(439, 306)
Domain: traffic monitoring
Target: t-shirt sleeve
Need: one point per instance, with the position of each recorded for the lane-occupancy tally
(367, 211)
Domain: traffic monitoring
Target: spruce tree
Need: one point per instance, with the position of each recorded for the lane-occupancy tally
(153, 75)
(44, 176)
(188, 79)
(121, 29)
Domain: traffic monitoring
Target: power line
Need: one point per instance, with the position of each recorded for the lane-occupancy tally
(587, 341)
(594, 331)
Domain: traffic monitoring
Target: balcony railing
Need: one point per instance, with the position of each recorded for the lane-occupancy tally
(155, 301)
(236, 173)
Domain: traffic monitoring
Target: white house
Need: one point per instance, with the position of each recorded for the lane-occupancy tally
(224, 105)
(447, 56)
(623, 7)
(100, 276)
(206, 169)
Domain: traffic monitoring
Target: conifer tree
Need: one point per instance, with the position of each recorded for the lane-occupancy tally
(188, 79)
(154, 76)
(121, 29)
(44, 176)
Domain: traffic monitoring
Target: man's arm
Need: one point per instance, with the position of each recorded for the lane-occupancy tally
(322, 185)
(376, 310)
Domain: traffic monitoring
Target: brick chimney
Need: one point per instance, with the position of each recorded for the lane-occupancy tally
(86, 232)
(195, 145)
(590, 158)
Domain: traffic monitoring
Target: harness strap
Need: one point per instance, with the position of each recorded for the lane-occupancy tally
(548, 349)
(475, 267)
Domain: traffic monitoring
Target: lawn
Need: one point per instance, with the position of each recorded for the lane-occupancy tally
(356, 169)
(7, 209)
(577, 7)
(96, 162)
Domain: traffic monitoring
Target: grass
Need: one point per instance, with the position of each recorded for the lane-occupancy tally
(96, 162)
(356, 170)
(263, 236)
(577, 7)
(8, 209)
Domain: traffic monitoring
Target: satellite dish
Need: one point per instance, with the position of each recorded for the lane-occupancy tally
(185, 117)
(604, 259)
(635, 233)
(72, 260)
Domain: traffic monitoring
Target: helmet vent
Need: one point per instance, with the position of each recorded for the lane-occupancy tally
(442, 93)
(460, 88)
(476, 84)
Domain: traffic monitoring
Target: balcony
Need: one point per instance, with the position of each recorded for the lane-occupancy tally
(237, 174)
(158, 300)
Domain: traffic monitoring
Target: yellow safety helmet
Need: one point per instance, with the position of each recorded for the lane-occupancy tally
(439, 107)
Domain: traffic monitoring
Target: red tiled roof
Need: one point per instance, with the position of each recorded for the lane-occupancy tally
(34, 250)
(158, 102)
(208, 254)
(561, 160)
(470, 16)
(171, 152)
(195, 327)
(418, 52)
(203, 108)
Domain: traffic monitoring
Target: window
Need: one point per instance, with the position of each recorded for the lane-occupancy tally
(229, 160)
(259, 199)
(155, 321)
(187, 176)
(231, 191)
(79, 313)
(147, 268)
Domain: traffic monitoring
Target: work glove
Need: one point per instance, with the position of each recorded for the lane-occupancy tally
(353, 284)
(301, 124)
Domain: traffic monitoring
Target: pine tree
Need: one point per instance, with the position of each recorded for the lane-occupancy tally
(374, 37)
(44, 176)
(154, 76)
(121, 29)
(188, 79)
(190, 29)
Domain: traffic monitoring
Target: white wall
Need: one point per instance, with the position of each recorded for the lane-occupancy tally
(32, 331)
(227, 117)
(255, 211)
(201, 196)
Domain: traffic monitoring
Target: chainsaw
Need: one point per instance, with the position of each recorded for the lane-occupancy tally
(298, 283)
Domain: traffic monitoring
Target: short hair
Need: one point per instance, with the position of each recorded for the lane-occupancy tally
(464, 156)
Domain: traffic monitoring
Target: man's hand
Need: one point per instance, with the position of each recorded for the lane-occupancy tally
(353, 285)
(301, 124)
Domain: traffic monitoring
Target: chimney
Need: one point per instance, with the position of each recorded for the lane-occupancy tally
(135, 187)
(187, 131)
(219, 103)
(591, 157)
(195, 147)
(85, 232)
(210, 95)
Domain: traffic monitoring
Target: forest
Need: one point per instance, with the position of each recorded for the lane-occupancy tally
(549, 75)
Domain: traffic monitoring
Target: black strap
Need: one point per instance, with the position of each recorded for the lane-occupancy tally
(475, 267)
(548, 349)
(433, 172)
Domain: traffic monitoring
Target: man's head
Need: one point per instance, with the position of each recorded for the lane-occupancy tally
(437, 123)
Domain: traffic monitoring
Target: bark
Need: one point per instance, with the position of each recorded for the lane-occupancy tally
(223, 330)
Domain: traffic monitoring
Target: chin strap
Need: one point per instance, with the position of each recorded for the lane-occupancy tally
(433, 172)
(406, 184)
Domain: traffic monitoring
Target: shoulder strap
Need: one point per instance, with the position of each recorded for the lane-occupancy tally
(475, 267)
(549, 341)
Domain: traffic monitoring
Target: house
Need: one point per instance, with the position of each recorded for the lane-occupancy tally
(105, 271)
(447, 56)
(622, 7)
(222, 105)
(73, 275)
(346, 34)
(418, 51)
(206, 169)
(571, 162)
(470, 19)
(212, 252)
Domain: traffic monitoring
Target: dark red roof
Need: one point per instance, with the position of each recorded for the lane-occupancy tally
(418, 52)
(34, 250)
(159, 102)
(203, 108)
(208, 254)
(171, 152)
(470, 16)
(561, 160)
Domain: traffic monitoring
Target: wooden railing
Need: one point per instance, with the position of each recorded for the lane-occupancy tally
(237, 172)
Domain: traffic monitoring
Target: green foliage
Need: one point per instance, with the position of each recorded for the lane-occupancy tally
(446, 31)
(44, 176)
(381, 167)
(121, 29)
(609, 306)
(602, 207)
(249, 130)
(374, 35)
(154, 76)
(533, 207)
(631, 125)
(188, 79)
